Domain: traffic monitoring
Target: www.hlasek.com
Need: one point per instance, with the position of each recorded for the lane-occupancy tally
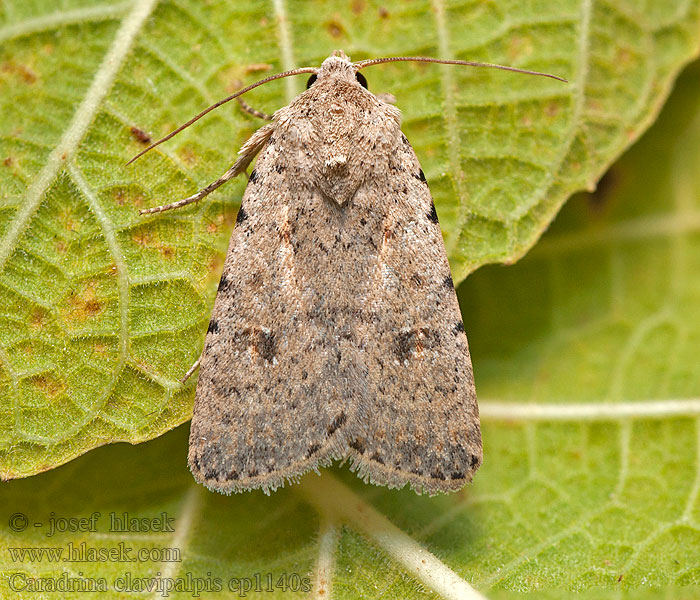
(83, 553)
(161, 585)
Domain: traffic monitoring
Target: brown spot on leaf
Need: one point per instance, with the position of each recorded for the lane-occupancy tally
(140, 135)
(100, 348)
(215, 263)
(37, 318)
(212, 275)
(48, 384)
(357, 6)
(149, 239)
(65, 217)
(7, 162)
(623, 57)
(256, 68)
(143, 237)
(552, 109)
(383, 12)
(335, 29)
(188, 156)
(126, 195)
(24, 73)
(519, 46)
(83, 304)
(214, 225)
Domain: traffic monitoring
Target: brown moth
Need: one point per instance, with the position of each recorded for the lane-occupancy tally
(336, 332)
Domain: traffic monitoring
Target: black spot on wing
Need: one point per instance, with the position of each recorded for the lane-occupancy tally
(420, 176)
(376, 458)
(459, 327)
(213, 326)
(241, 216)
(224, 284)
(266, 345)
(253, 176)
(312, 450)
(413, 340)
(231, 476)
(358, 445)
(337, 423)
(436, 474)
(432, 215)
(448, 283)
(404, 344)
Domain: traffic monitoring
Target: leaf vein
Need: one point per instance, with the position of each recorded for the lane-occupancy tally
(63, 18)
(78, 126)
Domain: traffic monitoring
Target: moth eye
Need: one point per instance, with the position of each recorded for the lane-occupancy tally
(361, 79)
(311, 81)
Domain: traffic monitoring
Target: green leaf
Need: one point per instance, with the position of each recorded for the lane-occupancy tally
(586, 352)
(103, 311)
(100, 307)
(585, 357)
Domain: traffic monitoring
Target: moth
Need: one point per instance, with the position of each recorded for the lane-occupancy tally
(336, 333)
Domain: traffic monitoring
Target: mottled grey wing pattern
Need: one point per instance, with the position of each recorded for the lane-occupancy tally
(336, 331)
(421, 425)
(272, 393)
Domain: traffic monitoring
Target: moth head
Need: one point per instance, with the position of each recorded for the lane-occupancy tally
(338, 66)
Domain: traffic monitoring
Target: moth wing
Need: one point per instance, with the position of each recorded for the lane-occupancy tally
(272, 395)
(336, 331)
(421, 425)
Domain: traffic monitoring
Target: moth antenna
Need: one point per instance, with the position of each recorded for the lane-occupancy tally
(469, 63)
(224, 101)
